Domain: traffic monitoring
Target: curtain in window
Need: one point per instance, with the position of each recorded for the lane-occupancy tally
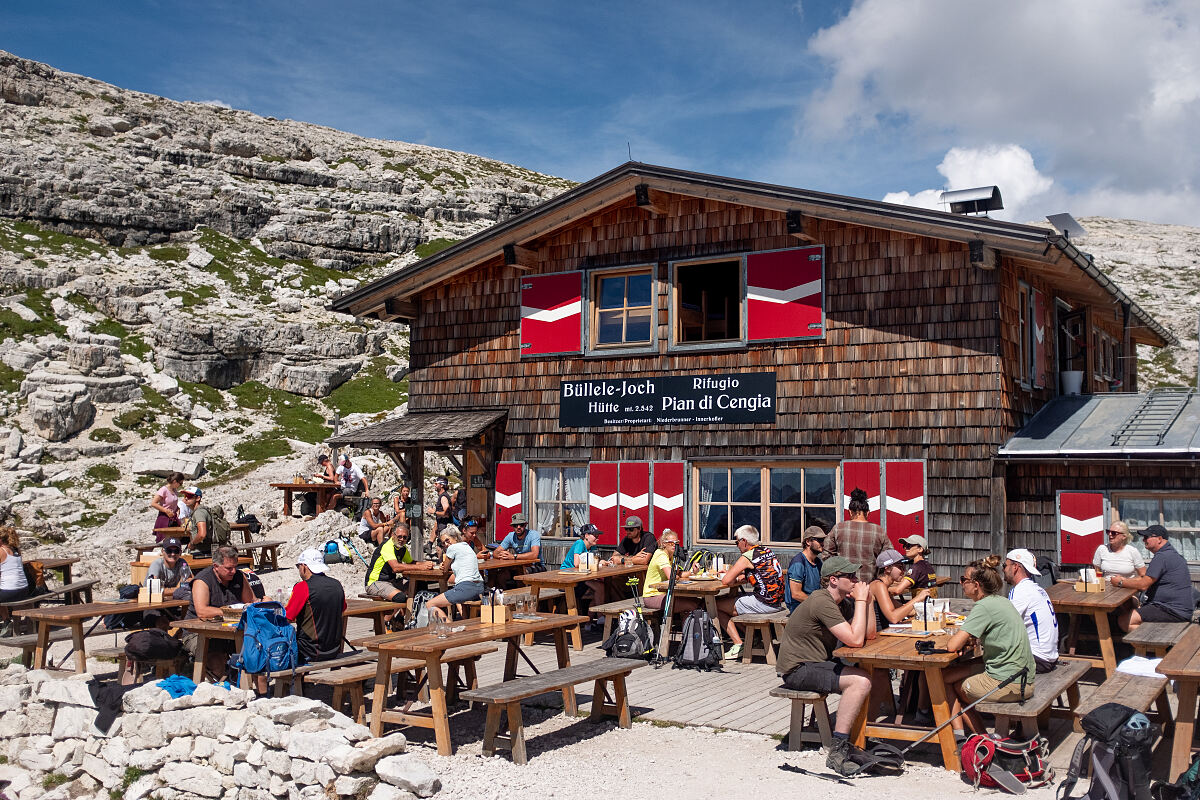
(546, 489)
(576, 495)
(706, 511)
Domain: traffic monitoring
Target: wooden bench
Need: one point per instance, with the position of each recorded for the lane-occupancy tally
(796, 733)
(267, 551)
(1136, 691)
(285, 678)
(506, 698)
(353, 680)
(1047, 688)
(765, 628)
(1155, 638)
(610, 611)
(69, 593)
(163, 667)
(28, 641)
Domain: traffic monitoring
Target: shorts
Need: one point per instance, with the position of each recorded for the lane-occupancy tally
(462, 592)
(654, 601)
(385, 590)
(750, 604)
(1157, 612)
(816, 676)
(981, 683)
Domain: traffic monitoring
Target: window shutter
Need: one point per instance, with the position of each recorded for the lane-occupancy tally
(904, 501)
(634, 496)
(785, 294)
(668, 497)
(602, 501)
(1081, 526)
(551, 313)
(863, 475)
(1039, 339)
(508, 495)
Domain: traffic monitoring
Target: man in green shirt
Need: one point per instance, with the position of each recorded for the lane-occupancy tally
(385, 566)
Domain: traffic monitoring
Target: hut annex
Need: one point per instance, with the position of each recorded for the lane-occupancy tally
(705, 352)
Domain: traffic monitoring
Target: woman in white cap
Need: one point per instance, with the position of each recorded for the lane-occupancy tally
(1119, 559)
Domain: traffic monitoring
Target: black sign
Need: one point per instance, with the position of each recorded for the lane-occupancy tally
(741, 398)
(480, 482)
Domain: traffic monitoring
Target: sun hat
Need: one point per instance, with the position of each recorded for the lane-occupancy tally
(814, 532)
(440, 481)
(194, 491)
(889, 558)
(1025, 559)
(312, 559)
(836, 565)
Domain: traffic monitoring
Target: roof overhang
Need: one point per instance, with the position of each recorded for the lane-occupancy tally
(427, 430)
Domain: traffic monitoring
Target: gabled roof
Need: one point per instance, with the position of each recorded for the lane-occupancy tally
(386, 295)
(429, 429)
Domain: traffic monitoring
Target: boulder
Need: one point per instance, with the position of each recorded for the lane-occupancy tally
(147, 462)
(62, 411)
(12, 448)
(311, 378)
(163, 384)
(410, 774)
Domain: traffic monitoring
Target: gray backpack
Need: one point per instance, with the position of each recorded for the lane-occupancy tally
(700, 645)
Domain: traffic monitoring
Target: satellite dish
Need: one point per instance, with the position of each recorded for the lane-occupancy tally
(1067, 225)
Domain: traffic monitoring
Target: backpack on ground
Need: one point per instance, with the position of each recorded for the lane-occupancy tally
(700, 644)
(632, 637)
(1012, 765)
(154, 644)
(268, 640)
(1186, 788)
(249, 520)
(222, 534)
(1119, 740)
(128, 621)
(418, 614)
(333, 553)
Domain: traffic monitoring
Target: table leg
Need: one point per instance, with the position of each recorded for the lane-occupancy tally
(66, 574)
(858, 729)
(383, 680)
(573, 608)
(941, 713)
(570, 706)
(201, 657)
(77, 643)
(1185, 728)
(1106, 643)
(43, 644)
(710, 605)
(510, 658)
(378, 620)
(287, 502)
(534, 592)
(437, 703)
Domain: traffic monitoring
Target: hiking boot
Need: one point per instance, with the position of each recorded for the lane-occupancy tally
(733, 653)
(841, 758)
(923, 717)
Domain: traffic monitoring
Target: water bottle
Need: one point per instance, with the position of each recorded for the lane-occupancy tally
(279, 596)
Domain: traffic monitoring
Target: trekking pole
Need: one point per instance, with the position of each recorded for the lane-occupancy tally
(350, 542)
(664, 643)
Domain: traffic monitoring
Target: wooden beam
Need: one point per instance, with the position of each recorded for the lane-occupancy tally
(522, 258)
(652, 200)
(982, 256)
(405, 309)
(801, 227)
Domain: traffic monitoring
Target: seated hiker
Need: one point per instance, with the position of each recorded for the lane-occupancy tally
(1000, 631)
(919, 572)
(1034, 606)
(659, 571)
(890, 565)
(759, 566)
(352, 483)
(14, 585)
(472, 534)
(384, 579)
(316, 606)
(461, 560)
(221, 584)
(375, 524)
(523, 539)
(637, 547)
(804, 571)
(324, 473)
(838, 614)
(170, 568)
(1167, 584)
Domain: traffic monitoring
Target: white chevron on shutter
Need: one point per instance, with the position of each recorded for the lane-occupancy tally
(551, 314)
(905, 506)
(668, 503)
(508, 500)
(1083, 527)
(635, 501)
(872, 502)
(783, 295)
(602, 501)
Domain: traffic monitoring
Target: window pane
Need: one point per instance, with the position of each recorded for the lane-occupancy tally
(714, 522)
(609, 328)
(545, 484)
(575, 484)
(638, 326)
(1138, 513)
(787, 524)
(639, 290)
(824, 517)
(818, 486)
(1188, 545)
(785, 486)
(612, 292)
(1181, 513)
(747, 485)
(714, 485)
(747, 515)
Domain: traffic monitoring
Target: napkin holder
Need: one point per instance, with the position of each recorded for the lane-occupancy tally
(1087, 586)
(300, 479)
(495, 614)
(146, 596)
(934, 624)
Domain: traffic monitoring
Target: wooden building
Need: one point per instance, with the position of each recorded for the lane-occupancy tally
(703, 352)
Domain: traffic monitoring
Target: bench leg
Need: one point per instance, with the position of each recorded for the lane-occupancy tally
(452, 683)
(824, 729)
(1029, 727)
(598, 705)
(748, 650)
(491, 726)
(437, 701)
(383, 681)
(339, 695)
(1163, 706)
(357, 703)
(472, 679)
(607, 627)
(796, 726)
(570, 707)
(621, 698)
(1003, 725)
(516, 733)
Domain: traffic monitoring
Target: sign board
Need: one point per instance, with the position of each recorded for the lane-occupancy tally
(739, 398)
(480, 482)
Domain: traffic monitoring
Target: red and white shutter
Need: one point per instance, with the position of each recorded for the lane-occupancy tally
(1081, 526)
(551, 313)
(785, 294)
(668, 496)
(634, 496)
(508, 496)
(863, 475)
(602, 501)
(1040, 329)
(904, 501)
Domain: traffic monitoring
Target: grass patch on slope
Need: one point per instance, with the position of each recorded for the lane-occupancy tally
(15, 326)
(433, 247)
(291, 413)
(131, 343)
(369, 392)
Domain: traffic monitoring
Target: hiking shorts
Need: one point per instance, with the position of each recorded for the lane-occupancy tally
(981, 683)
(749, 604)
(1157, 612)
(816, 676)
(384, 590)
(462, 592)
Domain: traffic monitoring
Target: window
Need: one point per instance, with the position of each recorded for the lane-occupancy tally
(560, 499)
(708, 302)
(1178, 513)
(1024, 334)
(780, 500)
(624, 309)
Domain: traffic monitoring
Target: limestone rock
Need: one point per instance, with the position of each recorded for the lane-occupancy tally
(163, 464)
(385, 791)
(363, 756)
(163, 384)
(73, 693)
(291, 710)
(195, 779)
(410, 774)
(61, 412)
(313, 746)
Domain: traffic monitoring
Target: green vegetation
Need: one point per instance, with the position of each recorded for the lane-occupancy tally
(274, 159)
(11, 323)
(169, 253)
(54, 779)
(10, 379)
(12, 239)
(104, 435)
(94, 520)
(131, 776)
(131, 343)
(79, 301)
(294, 418)
(259, 448)
(434, 246)
(103, 472)
(350, 160)
(203, 393)
(369, 391)
(148, 480)
(1163, 370)
(176, 428)
(429, 177)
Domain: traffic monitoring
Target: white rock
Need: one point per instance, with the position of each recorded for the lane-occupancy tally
(265, 731)
(201, 412)
(73, 721)
(291, 710)
(148, 760)
(209, 694)
(14, 695)
(278, 786)
(363, 756)
(142, 731)
(409, 774)
(180, 748)
(147, 698)
(227, 754)
(385, 791)
(348, 785)
(288, 305)
(99, 769)
(303, 770)
(38, 762)
(116, 751)
(249, 776)
(74, 693)
(349, 728)
(203, 748)
(13, 673)
(235, 724)
(18, 779)
(278, 762)
(164, 384)
(195, 778)
(142, 787)
(183, 402)
(237, 698)
(24, 312)
(66, 752)
(315, 745)
(198, 257)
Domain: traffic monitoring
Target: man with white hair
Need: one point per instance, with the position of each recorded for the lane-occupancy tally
(1034, 606)
(316, 606)
(758, 566)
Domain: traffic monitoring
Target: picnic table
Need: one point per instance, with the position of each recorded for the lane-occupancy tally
(1182, 665)
(431, 571)
(180, 532)
(378, 611)
(262, 552)
(568, 579)
(422, 644)
(1098, 605)
(207, 630)
(60, 565)
(138, 569)
(323, 491)
(73, 617)
(900, 652)
(707, 589)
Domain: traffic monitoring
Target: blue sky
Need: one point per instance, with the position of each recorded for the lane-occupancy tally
(1087, 106)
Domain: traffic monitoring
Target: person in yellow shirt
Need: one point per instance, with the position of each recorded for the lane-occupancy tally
(659, 571)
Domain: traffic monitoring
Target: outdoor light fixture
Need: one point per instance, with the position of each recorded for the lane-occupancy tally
(974, 201)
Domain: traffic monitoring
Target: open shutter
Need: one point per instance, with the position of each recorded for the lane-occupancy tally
(904, 501)
(602, 501)
(863, 475)
(668, 496)
(785, 294)
(1040, 327)
(634, 496)
(1081, 526)
(508, 495)
(551, 313)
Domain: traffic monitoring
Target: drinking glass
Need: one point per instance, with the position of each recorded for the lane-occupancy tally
(441, 628)
(527, 607)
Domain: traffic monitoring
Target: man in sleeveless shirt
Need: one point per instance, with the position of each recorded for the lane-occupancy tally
(221, 584)
(316, 606)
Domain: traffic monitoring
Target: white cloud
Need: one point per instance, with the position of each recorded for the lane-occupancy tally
(1008, 166)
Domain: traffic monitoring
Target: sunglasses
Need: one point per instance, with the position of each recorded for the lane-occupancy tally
(172, 552)
(849, 575)
(965, 579)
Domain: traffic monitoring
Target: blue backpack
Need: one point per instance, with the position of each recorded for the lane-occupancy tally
(269, 640)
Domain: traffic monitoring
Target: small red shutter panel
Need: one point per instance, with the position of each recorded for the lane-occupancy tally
(668, 497)
(1039, 339)
(602, 501)
(551, 313)
(862, 475)
(904, 503)
(634, 497)
(1080, 526)
(785, 294)
(508, 496)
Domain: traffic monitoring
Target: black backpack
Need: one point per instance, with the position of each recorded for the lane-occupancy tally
(1186, 788)
(418, 614)
(700, 644)
(124, 622)
(249, 520)
(632, 637)
(1119, 739)
(1049, 571)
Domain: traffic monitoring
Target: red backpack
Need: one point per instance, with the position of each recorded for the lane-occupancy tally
(1003, 763)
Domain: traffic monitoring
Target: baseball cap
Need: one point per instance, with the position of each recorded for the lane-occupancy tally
(911, 540)
(836, 565)
(589, 528)
(519, 519)
(1155, 530)
(814, 532)
(633, 522)
(312, 559)
(890, 557)
(172, 542)
(194, 491)
(1025, 559)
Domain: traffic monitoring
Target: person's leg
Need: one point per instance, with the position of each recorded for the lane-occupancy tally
(1129, 619)
(726, 611)
(856, 688)
(436, 606)
(953, 678)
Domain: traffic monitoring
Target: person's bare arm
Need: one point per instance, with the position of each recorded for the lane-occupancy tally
(200, 600)
(641, 559)
(854, 633)
(958, 641)
(798, 593)
(247, 591)
(1141, 583)
(201, 534)
(733, 575)
(157, 505)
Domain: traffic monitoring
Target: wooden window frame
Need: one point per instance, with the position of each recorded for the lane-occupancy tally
(560, 503)
(764, 504)
(1115, 502)
(593, 305)
(739, 341)
(1024, 334)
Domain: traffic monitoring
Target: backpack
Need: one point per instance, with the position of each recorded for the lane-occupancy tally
(268, 642)
(996, 762)
(1049, 571)
(1186, 788)
(332, 552)
(1119, 739)
(128, 621)
(249, 520)
(418, 614)
(632, 637)
(154, 644)
(222, 534)
(700, 645)
(35, 575)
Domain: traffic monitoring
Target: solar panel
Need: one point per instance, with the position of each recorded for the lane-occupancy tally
(1067, 225)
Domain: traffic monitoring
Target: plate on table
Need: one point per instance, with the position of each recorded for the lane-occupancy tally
(681, 583)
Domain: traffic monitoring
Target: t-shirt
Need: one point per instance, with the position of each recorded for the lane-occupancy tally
(1125, 562)
(808, 636)
(1172, 586)
(1001, 632)
(630, 547)
(170, 577)
(201, 514)
(464, 563)
(579, 548)
(387, 552)
(316, 607)
(519, 546)
(168, 499)
(1041, 625)
(765, 575)
(807, 574)
(349, 479)
(656, 572)
(919, 572)
(218, 594)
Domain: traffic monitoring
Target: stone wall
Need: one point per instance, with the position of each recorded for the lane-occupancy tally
(216, 743)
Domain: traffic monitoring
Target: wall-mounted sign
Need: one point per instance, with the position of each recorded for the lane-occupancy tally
(740, 398)
(480, 482)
